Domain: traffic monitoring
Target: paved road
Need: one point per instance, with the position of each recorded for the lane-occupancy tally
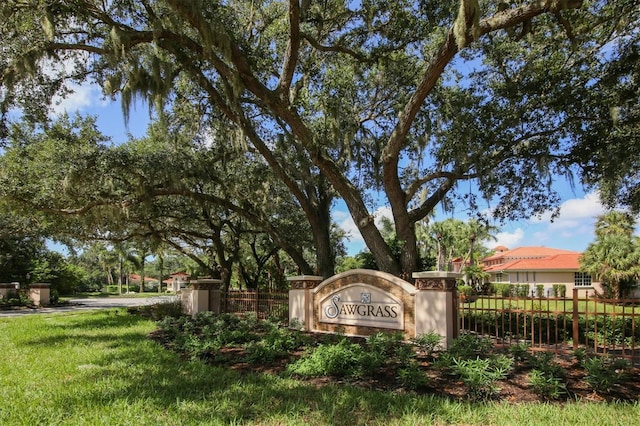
(89, 304)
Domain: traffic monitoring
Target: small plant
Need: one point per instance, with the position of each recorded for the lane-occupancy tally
(502, 289)
(54, 297)
(481, 375)
(412, 377)
(427, 343)
(275, 344)
(468, 346)
(545, 363)
(521, 290)
(465, 289)
(296, 324)
(540, 290)
(580, 354)
(344, 359)
(604, 373)
(559, 290)
(390, 347)
(547, 385)
(520, 351)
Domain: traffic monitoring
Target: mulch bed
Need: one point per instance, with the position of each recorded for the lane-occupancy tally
(515, 389)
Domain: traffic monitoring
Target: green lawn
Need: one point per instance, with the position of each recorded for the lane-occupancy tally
(554, 305)
(99, 368)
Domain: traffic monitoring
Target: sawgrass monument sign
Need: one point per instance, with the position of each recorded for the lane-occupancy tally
(362, 302)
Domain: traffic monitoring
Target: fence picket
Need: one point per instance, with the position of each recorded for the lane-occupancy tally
(557, 324)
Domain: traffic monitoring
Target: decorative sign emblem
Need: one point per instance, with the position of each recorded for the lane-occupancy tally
(362, 304)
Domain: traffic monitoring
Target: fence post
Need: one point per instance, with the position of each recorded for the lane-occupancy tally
(257, 303)
(436, 304)
(300, 308)
(576, 323)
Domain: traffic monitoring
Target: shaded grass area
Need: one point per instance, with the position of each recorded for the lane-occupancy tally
(101, 368)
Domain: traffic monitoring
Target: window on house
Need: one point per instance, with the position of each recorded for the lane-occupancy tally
(499, 277)
(581, 279)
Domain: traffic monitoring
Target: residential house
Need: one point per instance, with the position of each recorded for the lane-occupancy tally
(538, 265)
(177, 280)
(148, 281)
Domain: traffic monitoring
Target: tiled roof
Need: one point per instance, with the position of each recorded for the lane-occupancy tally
(529, 252)
(136, 277)
(567, 261)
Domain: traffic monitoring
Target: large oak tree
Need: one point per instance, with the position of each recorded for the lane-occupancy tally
(410, 99)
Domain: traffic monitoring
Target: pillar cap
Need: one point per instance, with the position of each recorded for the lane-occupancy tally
(305, 278)
(437, 274)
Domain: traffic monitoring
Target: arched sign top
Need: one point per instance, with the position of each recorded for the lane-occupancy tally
(368, 276)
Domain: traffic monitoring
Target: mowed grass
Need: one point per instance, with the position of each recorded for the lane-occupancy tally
(552, 305)
(99, 368)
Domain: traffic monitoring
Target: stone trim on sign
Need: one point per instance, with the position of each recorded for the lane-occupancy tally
(304, 282)
(436, 280)
(206, 284)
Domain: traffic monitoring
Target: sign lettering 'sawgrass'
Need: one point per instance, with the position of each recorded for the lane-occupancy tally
(362, 304)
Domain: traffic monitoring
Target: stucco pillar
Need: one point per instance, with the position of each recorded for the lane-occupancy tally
(5, 289)
(300, 302)
(205, 295)
(186, 298)
(436, 304)
(39, 293)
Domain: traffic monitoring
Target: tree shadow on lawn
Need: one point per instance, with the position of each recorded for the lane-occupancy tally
(130, 371)
(134, 370)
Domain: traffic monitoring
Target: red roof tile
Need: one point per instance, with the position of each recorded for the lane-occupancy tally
(557, 262)
(528, 253)
(533, 258)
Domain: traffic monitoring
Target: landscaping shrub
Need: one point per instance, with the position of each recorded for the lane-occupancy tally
(604, 373)
(390, 346)
(427, 343)
(559, 290)
(480, 376)
(520, 351)
(277, 343)
(412, 377)
(520, 290)
(468, 346)
(16, 298)
(547, 385)
(344, 359)
(501, 289)
(546, 362)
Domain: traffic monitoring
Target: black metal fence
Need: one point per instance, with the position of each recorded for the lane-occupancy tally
(561, 325)
(263, 304)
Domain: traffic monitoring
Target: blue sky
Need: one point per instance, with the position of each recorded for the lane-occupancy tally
(572, 230)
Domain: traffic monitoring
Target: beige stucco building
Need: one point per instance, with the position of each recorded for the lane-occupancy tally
(538, 265)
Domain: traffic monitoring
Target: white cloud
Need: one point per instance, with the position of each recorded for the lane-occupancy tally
(345, 222)
(575, 211)
(382, 212)
(507, 239)
(82, 96)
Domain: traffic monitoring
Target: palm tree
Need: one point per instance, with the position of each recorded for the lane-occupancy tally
(614, 256)
(477, 231)
(615, 223)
